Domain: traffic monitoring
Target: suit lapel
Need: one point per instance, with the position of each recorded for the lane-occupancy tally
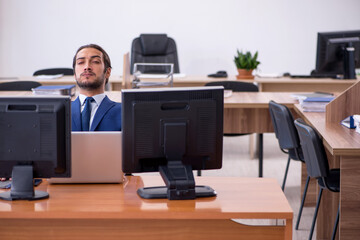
(76, 115)
(105, 105)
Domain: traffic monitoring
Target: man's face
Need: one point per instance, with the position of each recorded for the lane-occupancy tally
(90, 69)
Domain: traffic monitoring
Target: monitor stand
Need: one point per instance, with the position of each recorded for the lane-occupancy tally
(349, 62)
(180, 185)
(179, 178)
(22, 185)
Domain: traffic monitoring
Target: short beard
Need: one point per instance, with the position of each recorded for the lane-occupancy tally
(99, 82)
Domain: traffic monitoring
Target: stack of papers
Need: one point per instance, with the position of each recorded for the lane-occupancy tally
(349, 122)
(153, 76)
(67, 90)
(302, 96)
(49, 76)
(228, 93)
(314, 104)
(269, 75)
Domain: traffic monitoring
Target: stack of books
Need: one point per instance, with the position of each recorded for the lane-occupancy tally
(302, 96)
(67, 90)
(314, 104)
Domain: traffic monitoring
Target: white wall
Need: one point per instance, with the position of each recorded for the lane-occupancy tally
(37, 34)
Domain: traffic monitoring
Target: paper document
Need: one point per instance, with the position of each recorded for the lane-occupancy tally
(55, 90)
(318, 99)
(315, 104)
(269, 75)
(228, 93)
(357, 122)
(348, 122)
(179, 75)
(49, 76)
(160, 76)
(153, 76)
(311, 95)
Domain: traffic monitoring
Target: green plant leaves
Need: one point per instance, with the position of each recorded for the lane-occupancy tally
(246, 60)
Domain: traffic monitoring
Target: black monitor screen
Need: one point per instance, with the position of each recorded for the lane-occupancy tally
(173, 131)
(338, 54)
(34, 142)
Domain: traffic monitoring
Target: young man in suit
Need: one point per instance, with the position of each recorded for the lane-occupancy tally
(93, 110)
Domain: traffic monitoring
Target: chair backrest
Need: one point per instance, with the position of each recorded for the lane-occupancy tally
(54, 71)
(19, 86)
(154, 48)
(313, 149)
(283, 123)
(235, 86)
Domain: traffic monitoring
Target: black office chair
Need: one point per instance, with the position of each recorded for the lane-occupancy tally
(235, 86)
(289, 142)
(19, 85)
(55, 71)
(286, 133)
(317, 166)
(154, 48)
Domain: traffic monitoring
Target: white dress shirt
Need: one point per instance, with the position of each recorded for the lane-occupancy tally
(94, 105)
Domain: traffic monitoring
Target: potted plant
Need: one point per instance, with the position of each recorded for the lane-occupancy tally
(245, 64)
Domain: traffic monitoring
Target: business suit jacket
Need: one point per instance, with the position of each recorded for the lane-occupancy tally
(107, 116)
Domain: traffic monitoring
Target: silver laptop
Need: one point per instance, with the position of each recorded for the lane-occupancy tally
(95, 158)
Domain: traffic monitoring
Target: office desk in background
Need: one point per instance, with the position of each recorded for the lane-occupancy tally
(115, 211)
(287, 84)
(265, 84)
(284, 84)
(343, 145)
(268, 84)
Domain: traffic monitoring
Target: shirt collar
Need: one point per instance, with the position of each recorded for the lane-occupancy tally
(98, 98)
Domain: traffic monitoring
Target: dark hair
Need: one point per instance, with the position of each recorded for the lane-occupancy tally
(106, 57)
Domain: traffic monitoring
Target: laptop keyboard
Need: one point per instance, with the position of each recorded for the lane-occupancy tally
(5, 184)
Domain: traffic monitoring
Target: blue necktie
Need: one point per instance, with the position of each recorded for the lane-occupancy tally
(85, 114)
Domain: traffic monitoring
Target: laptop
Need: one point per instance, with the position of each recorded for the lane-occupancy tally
(95, 158)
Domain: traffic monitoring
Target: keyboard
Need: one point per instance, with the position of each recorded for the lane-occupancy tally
(5, 184)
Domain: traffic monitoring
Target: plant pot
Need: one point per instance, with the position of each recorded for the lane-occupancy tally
(245, 74)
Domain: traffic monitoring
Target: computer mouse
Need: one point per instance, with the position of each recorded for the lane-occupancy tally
(219, 74)
(286, 74)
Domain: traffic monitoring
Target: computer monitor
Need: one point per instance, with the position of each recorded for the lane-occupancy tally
(338, 54)
(173, 131)
(34, 142)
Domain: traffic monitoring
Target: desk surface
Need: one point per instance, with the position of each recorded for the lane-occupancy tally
(339, 140)
(284, 84)
(258, 100)
(245, 198)
(251, 198)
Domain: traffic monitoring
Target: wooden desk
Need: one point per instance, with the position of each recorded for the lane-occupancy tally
(248, 112)
(265, 84)
(115, 211)
(284, 84)
(344, 146)
(287, 84)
